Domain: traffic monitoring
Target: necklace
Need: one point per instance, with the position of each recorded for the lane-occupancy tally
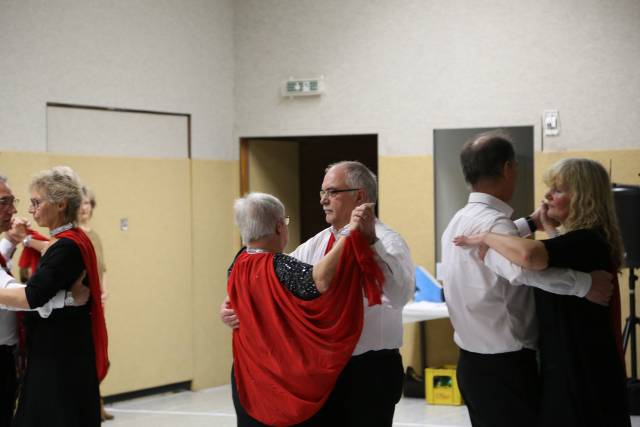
(60, 229)
(255, 251)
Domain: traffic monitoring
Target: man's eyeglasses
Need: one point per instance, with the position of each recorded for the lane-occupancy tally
(9, 201)
(287, 220)
(332, 192)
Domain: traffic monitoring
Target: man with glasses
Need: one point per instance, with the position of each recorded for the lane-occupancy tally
(8, 326)
(370, 385)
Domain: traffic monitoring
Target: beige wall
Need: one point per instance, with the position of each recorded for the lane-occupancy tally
(215, 241)
(167, 273)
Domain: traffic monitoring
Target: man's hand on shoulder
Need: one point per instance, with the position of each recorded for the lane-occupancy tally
(601, 287)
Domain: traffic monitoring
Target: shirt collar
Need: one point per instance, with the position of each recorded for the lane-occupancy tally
(492, 202)
(336, 232)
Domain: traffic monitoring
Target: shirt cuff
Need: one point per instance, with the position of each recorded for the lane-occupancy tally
(7, 248)
(583, 283)
(58, 300)
(523, 227)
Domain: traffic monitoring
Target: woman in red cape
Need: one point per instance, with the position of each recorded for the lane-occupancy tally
(300, 323)
(67, 351)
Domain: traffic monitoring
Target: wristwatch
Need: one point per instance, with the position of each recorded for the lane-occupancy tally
(27, 240)
(531, 223)
(68, 299)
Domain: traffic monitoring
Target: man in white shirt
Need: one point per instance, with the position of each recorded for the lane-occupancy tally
(493, 314)
(371, 384)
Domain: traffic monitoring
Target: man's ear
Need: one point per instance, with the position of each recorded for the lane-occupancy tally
(508, 168)
(361, 196)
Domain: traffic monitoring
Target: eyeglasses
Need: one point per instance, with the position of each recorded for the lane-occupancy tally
(287, 220)
(332, 192)
(9, 201)
(36, 203)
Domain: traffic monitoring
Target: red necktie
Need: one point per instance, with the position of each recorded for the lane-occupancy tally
(332, 240)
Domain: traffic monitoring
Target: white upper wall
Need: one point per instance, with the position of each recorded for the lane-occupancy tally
(401, 68)
(160, 55)
(398, 68)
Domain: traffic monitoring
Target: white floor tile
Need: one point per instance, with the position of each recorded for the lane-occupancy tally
(214, 408)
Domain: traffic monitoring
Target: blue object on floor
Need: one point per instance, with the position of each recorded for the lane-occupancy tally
(427, 287)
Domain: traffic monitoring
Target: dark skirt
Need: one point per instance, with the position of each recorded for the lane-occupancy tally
(60, 386)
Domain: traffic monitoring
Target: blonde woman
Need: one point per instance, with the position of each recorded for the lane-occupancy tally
(583, 376)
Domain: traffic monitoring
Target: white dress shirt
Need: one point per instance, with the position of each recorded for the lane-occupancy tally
(491, 312)
(382, 327)
(8, 325)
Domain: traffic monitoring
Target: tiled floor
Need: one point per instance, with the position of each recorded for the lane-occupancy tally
(213, 408)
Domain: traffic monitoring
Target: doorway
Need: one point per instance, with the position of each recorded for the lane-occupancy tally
(292, 168)
(451, 190)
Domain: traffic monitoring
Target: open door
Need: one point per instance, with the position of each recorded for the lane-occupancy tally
(292, 169)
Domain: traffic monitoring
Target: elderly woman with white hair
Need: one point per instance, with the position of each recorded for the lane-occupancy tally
(300, 323)
(67, 351)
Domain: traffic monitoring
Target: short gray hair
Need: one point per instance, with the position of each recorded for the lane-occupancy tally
(257, 215)
(60, 184)
(359, 176)
(3, 179)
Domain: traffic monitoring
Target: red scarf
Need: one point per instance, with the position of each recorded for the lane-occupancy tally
(98, 324)
(288, 352)
(30, 256)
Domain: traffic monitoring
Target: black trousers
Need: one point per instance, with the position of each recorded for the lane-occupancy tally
(8, 384)
(367, 391)
(365, 394)
(500, 390)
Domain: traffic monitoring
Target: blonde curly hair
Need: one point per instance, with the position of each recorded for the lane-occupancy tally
(591, 203)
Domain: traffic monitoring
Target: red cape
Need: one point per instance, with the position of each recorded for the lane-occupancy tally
(288, 352)
(98, 324)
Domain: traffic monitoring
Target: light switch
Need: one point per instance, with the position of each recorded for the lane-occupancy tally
(551, 123)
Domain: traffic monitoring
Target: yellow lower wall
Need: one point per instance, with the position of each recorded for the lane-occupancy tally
(407, 206)
(209, 188)
(215, 242)
(167, 273)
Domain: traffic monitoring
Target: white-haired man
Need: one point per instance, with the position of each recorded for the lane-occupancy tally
(370, 385)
